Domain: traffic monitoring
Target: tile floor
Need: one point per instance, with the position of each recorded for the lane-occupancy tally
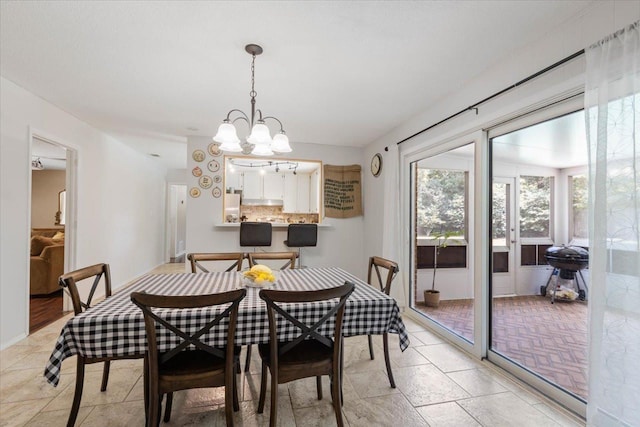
(437, 385)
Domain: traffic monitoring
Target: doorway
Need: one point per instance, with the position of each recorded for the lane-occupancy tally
(49, 178)
(177, 222)
(503, 236)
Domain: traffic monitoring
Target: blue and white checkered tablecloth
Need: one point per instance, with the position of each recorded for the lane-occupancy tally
(115, 327)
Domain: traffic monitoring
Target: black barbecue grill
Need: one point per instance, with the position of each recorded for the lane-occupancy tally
(566, 262)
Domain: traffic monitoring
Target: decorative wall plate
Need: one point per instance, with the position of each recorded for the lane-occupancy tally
(213, 166)
(194, 192)
(217, 179)
(205, 181)
(214, 150)
(198, 155)
(196, 171)
(217, 192)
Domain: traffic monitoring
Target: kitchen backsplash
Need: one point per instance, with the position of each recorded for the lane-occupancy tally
(274, 214)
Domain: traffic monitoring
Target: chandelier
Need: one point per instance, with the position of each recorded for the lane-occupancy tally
(259, 142)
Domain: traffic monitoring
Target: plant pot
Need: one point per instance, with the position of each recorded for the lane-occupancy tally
(432, 298)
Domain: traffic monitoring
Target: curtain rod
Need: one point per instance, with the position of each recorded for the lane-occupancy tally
(495, 95)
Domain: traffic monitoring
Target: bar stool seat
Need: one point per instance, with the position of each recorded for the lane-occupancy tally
(300, 236)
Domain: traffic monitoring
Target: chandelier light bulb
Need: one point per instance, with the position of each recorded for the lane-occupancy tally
(262, 150)
(260, 135)
(228, 138)
(280, 143)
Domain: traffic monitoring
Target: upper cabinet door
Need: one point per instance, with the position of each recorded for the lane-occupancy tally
(314, 193)
(252, 185)
(290, 201)
(303, 192)
(273, 186)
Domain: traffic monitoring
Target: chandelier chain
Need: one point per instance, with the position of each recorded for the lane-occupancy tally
(253, 92)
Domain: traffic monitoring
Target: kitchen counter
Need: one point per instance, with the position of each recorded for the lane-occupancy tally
(273, 224)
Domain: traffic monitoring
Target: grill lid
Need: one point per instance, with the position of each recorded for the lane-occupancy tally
(567, 253)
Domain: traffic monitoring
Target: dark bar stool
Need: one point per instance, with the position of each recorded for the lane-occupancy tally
(254, 234)
(300, 236)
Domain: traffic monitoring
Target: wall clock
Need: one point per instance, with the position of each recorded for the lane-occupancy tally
(376, 164)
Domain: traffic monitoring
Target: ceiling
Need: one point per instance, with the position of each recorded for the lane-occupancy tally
(337, 73)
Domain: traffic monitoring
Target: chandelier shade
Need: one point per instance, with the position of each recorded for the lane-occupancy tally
(259, 142)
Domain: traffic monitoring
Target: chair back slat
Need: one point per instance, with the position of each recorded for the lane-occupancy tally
(290, 257)
(196, 258)
(147, 302)
(377, 264)
(69, 281)
(274, 300)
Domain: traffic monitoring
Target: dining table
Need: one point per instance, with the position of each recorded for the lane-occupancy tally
(115, 326)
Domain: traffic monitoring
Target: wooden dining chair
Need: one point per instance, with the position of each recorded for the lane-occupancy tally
(182, 368)
(70, 281)
(309, 353)
(290, 257)
(196, 259)
(389, 271)
(254, 257)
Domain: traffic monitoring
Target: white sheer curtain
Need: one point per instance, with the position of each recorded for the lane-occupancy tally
(391, 234)
(612, 106)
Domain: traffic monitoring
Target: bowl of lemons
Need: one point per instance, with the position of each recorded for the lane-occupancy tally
(258, 276)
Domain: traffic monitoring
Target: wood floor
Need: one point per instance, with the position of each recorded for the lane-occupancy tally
(44, 309)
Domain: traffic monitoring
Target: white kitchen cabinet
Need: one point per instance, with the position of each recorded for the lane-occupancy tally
(296, 193)
(314, 193)
(233, 181)
(273, 186)
(252, 185)
(290, 199)
(303, 192)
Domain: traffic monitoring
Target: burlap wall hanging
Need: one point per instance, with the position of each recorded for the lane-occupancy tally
(342, 191)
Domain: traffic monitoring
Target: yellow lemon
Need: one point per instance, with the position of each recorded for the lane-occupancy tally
(261, 268)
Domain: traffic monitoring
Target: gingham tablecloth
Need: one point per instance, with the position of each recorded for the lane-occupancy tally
(115, 327)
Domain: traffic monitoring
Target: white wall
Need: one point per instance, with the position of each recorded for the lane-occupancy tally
(338, 245)
(120, 201)
(598, 20)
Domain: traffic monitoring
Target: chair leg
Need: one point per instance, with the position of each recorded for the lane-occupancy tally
(370, 347)
(273, 415)
(319, 386)
(77, 396)
(167, 408)
(236, 402)
(337, 399)
(153, 416)
(146, 389)
(387, 361)
(247, 363)
(263, 388)
(105, 375)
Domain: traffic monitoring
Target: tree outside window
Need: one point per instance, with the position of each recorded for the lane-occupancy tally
(535, 207)
(441, 206)
(579, 206)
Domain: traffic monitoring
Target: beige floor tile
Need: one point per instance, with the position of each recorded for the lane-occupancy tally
(248, 415)
(357, 359)
(425, 384)
(371, 384)
(426, 338)
(31, 360)
(27, 384)
(447, 415)
(19, 413)
(559, 415)
(411, 325)
(121, 381)
(14, 354)
(505, 409)
(303, 392)
(316, 416)
(58, 418)
(124, 414)
(392, 410)
(478, 382)
(448, 358)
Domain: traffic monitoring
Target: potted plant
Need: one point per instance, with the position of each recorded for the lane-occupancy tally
(432, 296)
